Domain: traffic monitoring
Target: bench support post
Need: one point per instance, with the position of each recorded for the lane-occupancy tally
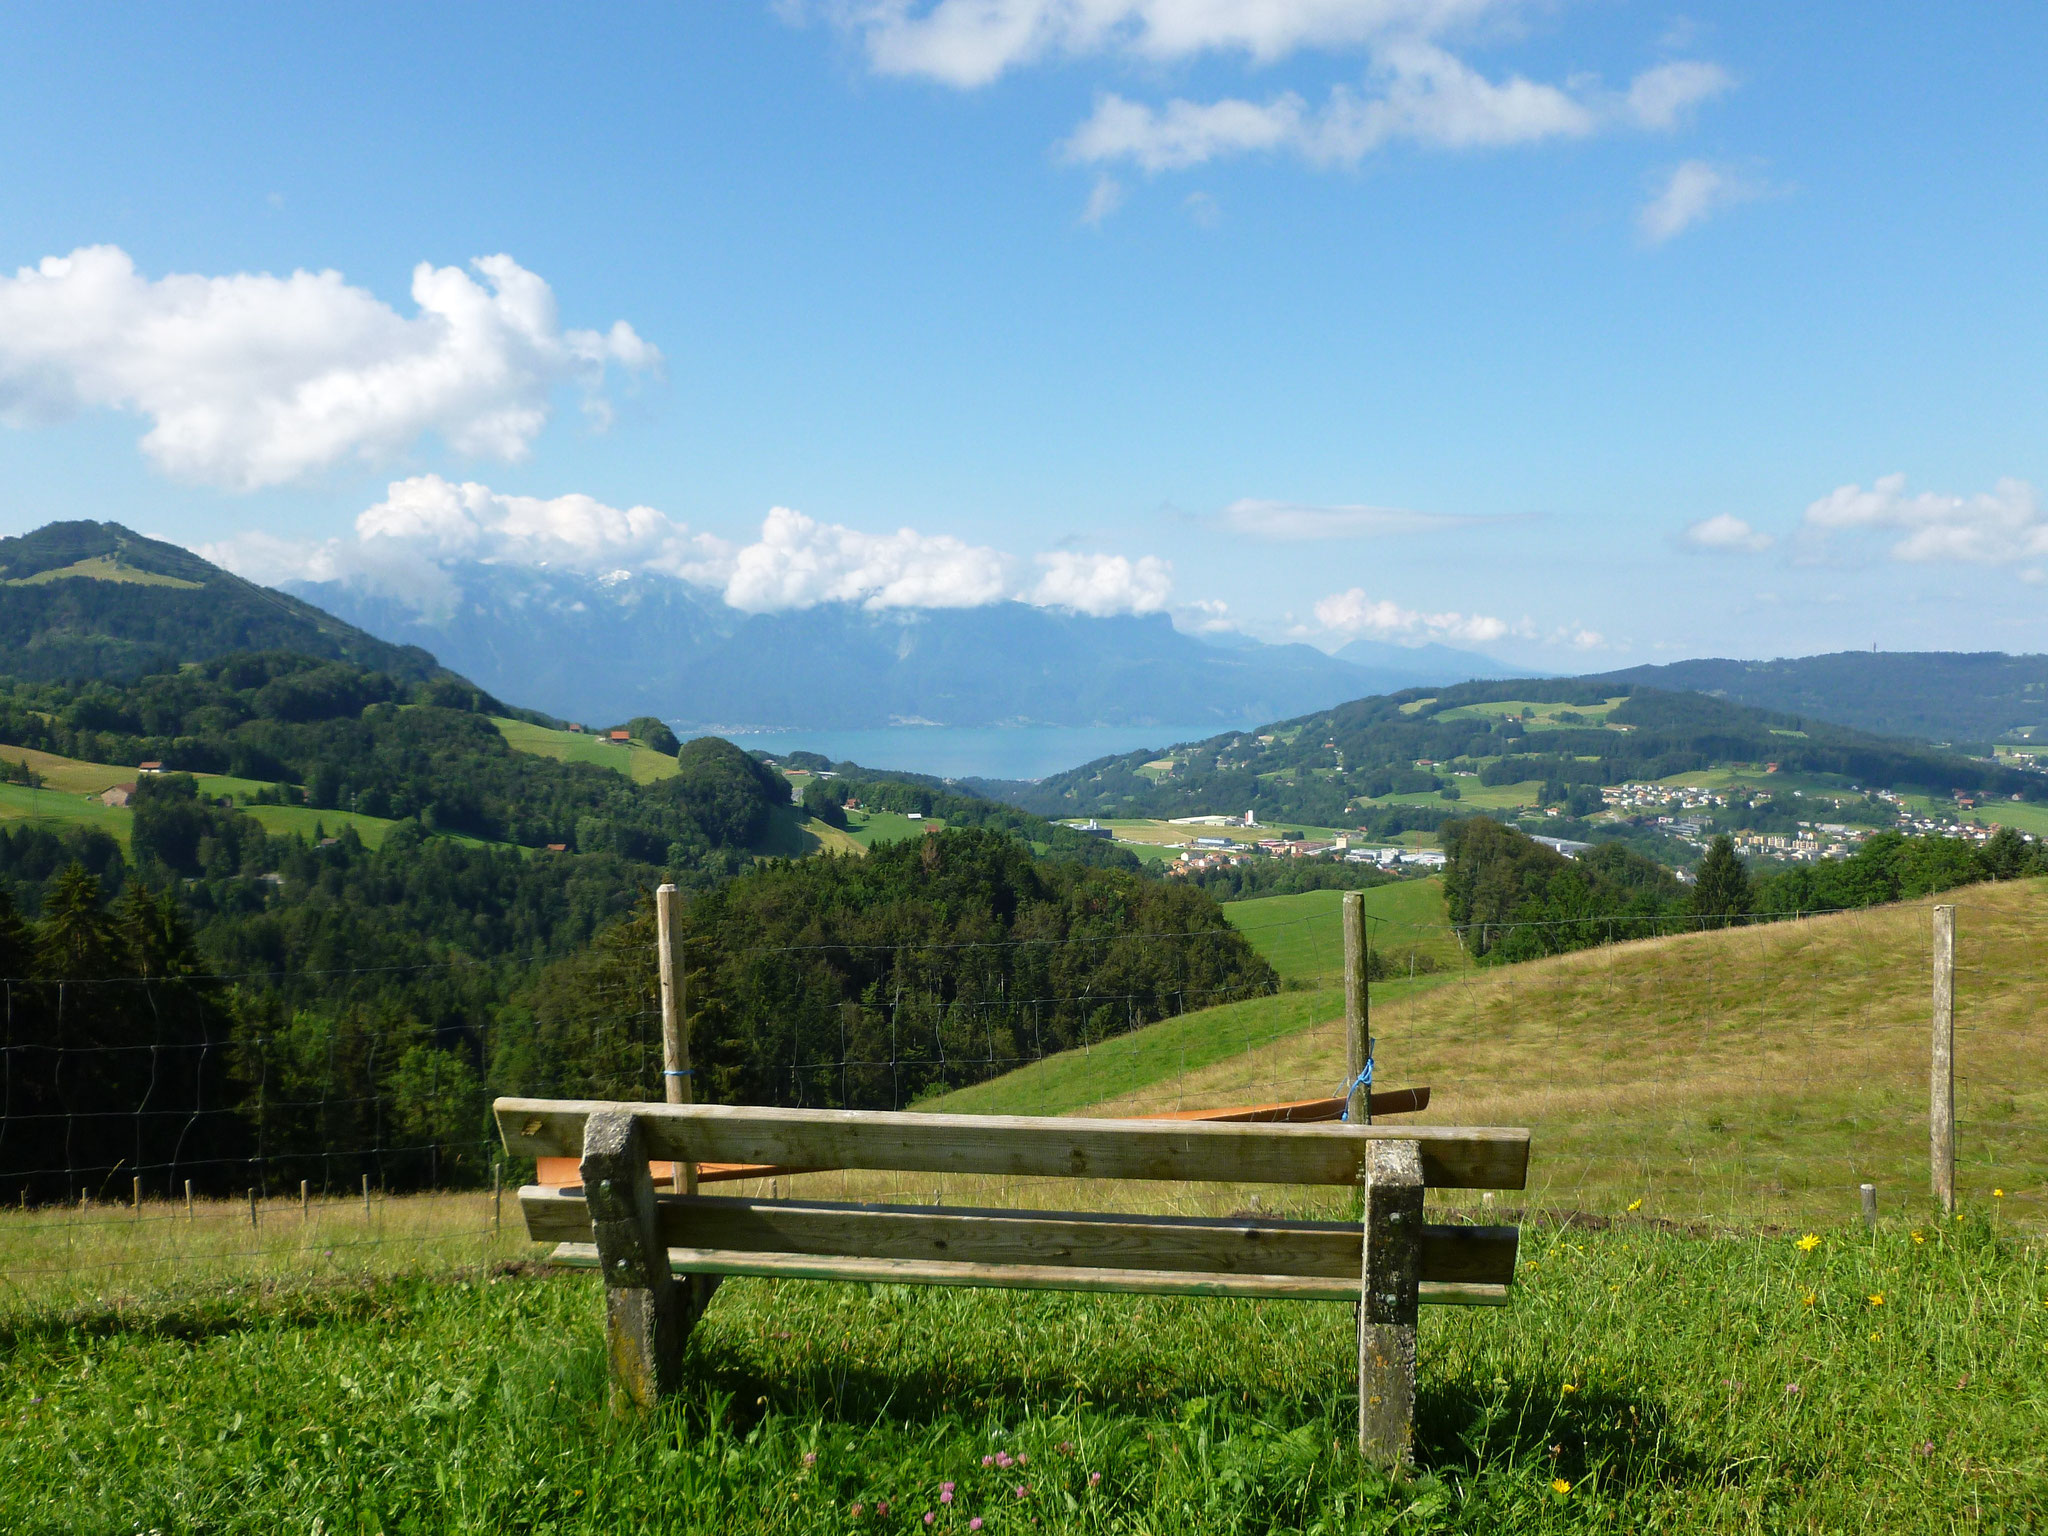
(647, 1315)
(1386, 1314)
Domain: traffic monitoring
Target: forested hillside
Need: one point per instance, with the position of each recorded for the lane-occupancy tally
(1326, 768)
(1964, 698)
(86, 600)
(866, 983)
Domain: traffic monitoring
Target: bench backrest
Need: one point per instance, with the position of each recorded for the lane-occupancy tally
(1019, 1146)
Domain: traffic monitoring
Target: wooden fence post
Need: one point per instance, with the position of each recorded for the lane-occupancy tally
(305, 1202)
(1941, 1109)
(677, 1086)
(643, 1306)
(138, 1197)
(189, 1214)
(1869, 1194)
(1357, 1017)
(1386, 1314)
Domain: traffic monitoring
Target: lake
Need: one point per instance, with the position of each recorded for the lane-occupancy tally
(987, 752)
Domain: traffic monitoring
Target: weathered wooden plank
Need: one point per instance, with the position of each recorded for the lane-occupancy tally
(1024, 1277)
(1206, 1245)
(1386, 1316)
(1021, 1146)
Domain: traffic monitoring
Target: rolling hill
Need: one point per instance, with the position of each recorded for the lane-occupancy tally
(85, 600)
(1947, 696)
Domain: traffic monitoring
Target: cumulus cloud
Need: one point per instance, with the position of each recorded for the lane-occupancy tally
(1292, 520)
(1419, 93)
(252, 380)
(1103, 584)
(969, 43)
(2004, 525)
(404, 545)
(1727, 533)
(1354, 614)
(799, 562)
(1693, 192)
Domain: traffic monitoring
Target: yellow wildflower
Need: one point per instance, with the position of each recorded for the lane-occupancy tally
(1877, 1298)
(1571, 1386)
(1636, 1204)
(1809, 1298)
(1559, 1485)
(1998, 1194)
(1807, 1243)
(1919, 1237)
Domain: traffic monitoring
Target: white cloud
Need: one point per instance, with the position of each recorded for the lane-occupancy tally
(1422, 94)
(404, 545)
(252, 380)
(1293, 520)
(2006, 524)
(1694, 191)
(1207, 616)
(1103, 584)
(799, 562)
(1661, 98)
(1105, 199)
(1353, 614)
(1729, 533)
(969, 43)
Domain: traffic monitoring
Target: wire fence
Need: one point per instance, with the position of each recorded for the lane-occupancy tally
(1759, 1073)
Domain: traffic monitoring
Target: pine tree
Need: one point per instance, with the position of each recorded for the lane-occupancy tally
(76, 939)
(1721, 893)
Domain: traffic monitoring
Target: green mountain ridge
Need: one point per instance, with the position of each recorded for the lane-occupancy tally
(1327, 768)
(97, 600)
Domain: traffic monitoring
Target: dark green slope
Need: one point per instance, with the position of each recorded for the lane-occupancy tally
(1947, 696)
(97, 600)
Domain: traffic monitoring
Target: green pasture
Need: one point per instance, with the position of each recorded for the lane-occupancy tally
(1644, 1378)
(637, 761)
(65, 808)
(1301, 936)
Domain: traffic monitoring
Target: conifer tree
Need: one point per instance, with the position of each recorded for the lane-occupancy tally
(1721, 893)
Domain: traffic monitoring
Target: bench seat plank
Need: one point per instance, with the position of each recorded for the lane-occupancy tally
(1248, 1245)
(1027, 1146)
(1028, 1277)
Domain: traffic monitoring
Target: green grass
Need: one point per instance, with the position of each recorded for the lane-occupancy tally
(1672, 1382)
(638, 762)
(104, 568)
(283, 820)
(65, 808)
(1301, 937)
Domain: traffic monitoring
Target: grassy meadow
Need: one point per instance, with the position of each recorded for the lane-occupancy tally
(1703, 1338)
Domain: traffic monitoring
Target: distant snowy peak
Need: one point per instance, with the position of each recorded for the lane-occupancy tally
(617, 645)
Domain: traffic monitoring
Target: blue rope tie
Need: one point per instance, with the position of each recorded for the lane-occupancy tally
(678, 1071)
(1363, 1080)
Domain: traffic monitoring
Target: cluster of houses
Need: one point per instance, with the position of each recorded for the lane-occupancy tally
(1661, 797)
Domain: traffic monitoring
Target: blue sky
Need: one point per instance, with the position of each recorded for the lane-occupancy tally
(1579, 333)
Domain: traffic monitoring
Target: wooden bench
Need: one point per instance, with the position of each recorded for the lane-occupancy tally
(661, 1253)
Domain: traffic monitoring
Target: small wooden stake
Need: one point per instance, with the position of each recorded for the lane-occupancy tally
(138, 1197)
(252, 1205)
(190, 1214)
(497, 1198)
(1941, 1110)
(1869, 1193)
(305, 1202)
(1386, 1315)
(1357, 1018)
(366, 1197)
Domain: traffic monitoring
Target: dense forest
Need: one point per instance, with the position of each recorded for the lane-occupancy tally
(1321, 768)
(1512, 898)
(867, 983)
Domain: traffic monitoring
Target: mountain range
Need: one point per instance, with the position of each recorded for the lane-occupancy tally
(611, 647)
